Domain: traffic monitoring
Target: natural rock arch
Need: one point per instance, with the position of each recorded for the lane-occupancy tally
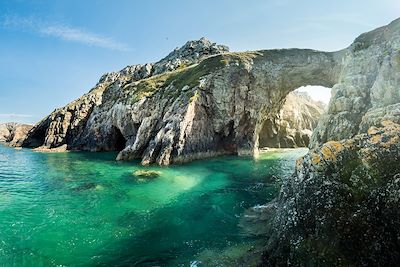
(201, 101)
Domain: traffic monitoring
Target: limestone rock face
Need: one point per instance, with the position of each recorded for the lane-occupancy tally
(14, 133)
(201, 101)
(340, 208)
(190, 113)
(5, 131)
(294, 124)
(368, 88)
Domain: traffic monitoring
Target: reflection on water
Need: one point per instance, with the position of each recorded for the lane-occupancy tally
(86, 209)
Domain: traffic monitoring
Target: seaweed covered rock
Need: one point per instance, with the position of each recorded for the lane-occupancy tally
(340, 208)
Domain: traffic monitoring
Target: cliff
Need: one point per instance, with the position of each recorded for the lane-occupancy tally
(14, 134)
(294, 124)
(202, 101)
(368, 88)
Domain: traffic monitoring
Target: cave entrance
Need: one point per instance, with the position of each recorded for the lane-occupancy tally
(118, 140)
(293, 125)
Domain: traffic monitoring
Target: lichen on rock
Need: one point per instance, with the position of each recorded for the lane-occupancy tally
(340, 208)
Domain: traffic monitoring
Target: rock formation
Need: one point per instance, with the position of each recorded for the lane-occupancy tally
(294, 124)
(201, 101)
(340, 208)
(368, 88)
(14, 133)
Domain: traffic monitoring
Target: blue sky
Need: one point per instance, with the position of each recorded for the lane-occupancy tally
(53, 51)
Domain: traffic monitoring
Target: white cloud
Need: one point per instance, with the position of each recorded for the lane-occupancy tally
(62, 32)
(14, 115)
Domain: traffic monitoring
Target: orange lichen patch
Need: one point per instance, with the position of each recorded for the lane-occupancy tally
(327, 153)
(331, 149)
(315, 159)
(373, 130)
(336, 146)
(393, 140)
(299, 161)
(387, 123)
(376, 138)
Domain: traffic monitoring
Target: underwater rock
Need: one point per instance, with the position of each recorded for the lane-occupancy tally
(147, 174)
(341, 206)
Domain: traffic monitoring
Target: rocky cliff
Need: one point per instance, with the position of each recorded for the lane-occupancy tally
(368, 88)
(14, 133)
(294, 124)
(202, 101)
(340, 208)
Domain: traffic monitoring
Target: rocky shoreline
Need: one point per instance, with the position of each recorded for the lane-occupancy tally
(340, 207)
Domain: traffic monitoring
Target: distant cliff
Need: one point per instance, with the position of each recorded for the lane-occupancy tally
(202, 101)
(14, 133)
(294, 124)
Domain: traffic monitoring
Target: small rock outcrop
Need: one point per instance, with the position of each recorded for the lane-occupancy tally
(294, 124)
(203, 101)
(14, 134)
(340, 208)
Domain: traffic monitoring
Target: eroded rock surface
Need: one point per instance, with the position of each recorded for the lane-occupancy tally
(201, 101)
(340, 208)
(14, 134)
(368, 88)
(294, 124)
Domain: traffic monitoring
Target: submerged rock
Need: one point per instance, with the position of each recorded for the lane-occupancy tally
(147, 174)
(340, 208)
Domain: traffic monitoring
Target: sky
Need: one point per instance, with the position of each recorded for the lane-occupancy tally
(53, 51)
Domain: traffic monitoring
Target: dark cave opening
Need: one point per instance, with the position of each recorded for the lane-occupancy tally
(36, 138)
(118, 141)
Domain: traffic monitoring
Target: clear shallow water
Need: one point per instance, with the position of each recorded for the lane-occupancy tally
(86, 209)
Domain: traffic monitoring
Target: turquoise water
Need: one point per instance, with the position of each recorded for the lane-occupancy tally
(86, 209)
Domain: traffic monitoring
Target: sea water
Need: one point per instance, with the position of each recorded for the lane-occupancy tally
(86, 209)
